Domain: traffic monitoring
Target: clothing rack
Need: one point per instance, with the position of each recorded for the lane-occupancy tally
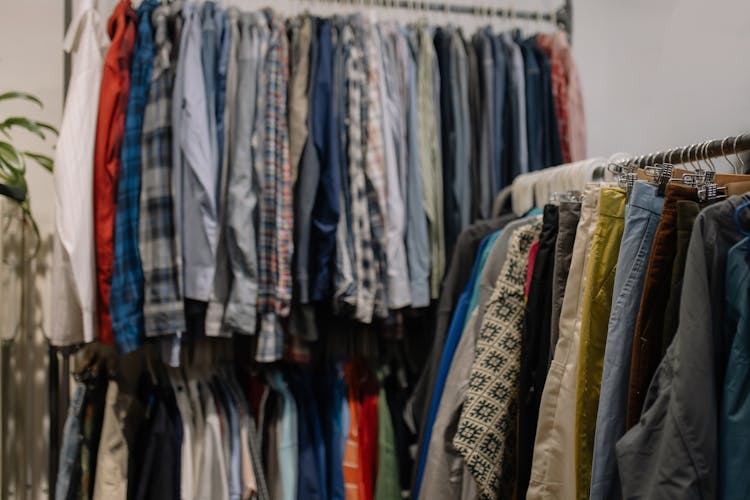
(562, 17)
(59, 367)
(694, 152)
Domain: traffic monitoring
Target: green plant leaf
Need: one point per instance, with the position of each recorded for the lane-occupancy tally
(47, 126)
(21, 95)
(43, 160)
(11, 159)
(20, 121)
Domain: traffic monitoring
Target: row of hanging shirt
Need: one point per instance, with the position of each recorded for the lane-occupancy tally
(206, 430)
(150, 432)
(596, 349)
(239, 169)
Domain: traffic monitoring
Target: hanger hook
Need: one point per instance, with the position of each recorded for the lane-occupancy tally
(726, 157)
(708, 156)
(734, 146)
(695, 161)
(642, 161)
(704, 155)
(693, 150)
(699, 155)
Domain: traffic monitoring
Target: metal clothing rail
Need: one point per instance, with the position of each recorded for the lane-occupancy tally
(732, 145)
(562, 17)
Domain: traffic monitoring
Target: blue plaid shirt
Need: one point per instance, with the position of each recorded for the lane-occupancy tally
(126, 297)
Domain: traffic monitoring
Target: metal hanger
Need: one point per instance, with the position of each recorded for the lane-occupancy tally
(742, 162)
(573, 196)
(726, 156)
(708, 190)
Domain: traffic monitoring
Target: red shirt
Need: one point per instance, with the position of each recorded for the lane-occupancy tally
(566, 90)
(352, 465)
(368, 433)
(559, 90)
(110, 128)
(530, 269)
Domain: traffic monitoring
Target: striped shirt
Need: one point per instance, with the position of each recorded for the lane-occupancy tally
(432, 170)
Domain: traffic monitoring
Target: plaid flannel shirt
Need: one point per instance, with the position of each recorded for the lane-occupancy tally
(158, 242)
(276, 217)
(364, 257)
(375, 169)
(126, 295)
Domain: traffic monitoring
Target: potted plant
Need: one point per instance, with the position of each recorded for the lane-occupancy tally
(13, 161)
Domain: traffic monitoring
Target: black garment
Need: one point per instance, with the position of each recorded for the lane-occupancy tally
(93, 416)
(195, 318)
(475, 119)
(396, 393)
(451, 212)
(535, 345)
(154, 468)
(455, 279)
(170, 403)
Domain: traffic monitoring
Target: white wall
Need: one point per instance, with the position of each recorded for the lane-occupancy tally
(31, 60)
(660, 74)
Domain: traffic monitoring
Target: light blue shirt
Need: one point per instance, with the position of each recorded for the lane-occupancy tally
(287, 437)
(194, 169)
(417, 238)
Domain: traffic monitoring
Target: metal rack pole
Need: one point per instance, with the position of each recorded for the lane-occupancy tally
(700, 151)
(562, 17)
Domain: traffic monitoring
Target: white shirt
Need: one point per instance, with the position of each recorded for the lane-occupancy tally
(74, 273)
(187, 455)
(213, 484)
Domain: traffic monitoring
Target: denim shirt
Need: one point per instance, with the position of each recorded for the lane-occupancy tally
(225, 26)
(327, 209)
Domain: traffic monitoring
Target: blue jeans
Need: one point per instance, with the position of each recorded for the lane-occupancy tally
(71, 445)
(641, 218)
